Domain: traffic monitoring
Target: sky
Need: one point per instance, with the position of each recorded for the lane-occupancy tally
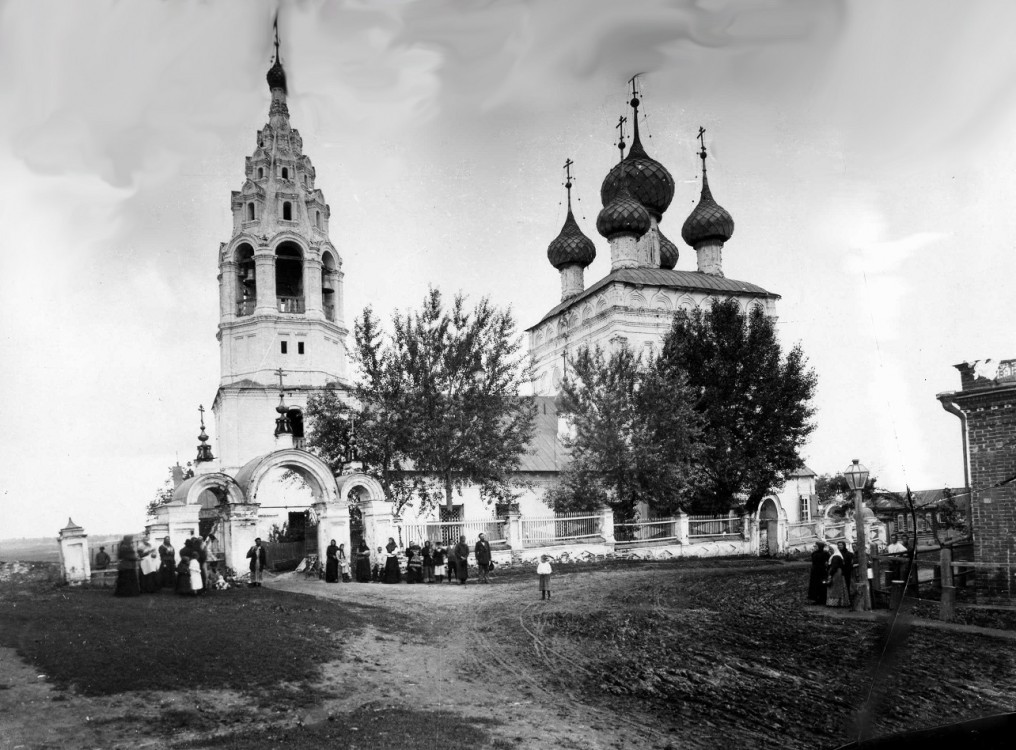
(865, 151)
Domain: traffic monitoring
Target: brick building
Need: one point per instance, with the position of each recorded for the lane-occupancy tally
(986, 407)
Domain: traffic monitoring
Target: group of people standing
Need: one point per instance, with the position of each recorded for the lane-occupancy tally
(834, 574)
(144, 569)
(426, 563)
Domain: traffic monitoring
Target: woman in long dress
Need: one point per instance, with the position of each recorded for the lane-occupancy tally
(127, 583)
(462, 560)
(149, 563)
(816, 582)
(363, 562)
(332, 563)
(343, 563)
(392, 573)
(183, 582)
(836, 593)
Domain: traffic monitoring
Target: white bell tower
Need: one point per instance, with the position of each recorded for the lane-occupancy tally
(280, 295)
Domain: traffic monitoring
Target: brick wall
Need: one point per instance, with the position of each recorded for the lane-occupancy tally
(990, 409)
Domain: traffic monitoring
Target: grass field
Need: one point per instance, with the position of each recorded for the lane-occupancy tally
(697, 654)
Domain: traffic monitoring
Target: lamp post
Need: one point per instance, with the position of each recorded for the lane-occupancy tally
(857, 476)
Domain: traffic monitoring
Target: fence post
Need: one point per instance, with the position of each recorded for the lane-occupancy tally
(515, 540)
(607, 525)
(896, 595)
(681, 527)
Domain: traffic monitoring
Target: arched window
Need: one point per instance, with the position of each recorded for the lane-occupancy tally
(329, 282)
(317, 219)
(250, 212)
(285, 173)
(287, 211)
(289, 277)
(246, 280)
(261, 172)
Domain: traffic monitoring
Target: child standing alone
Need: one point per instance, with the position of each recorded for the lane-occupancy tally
(543, 570)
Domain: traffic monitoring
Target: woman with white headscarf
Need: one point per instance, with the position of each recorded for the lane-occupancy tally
(837, 594)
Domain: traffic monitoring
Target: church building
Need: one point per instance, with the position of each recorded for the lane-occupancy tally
(634, 304)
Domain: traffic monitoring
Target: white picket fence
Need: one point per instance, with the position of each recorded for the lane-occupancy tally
(699, 526)
(656, 530)
(547, 530)
(448, 532)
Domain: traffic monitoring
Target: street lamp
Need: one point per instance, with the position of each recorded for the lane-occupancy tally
(857, 476)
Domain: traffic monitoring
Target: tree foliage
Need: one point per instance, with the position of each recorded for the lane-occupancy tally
(438, 404)
(633, 433)
(165, 493)
(834, 488)
(754, 402)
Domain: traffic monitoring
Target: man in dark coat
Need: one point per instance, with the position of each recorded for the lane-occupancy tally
(258, 559)
(816, 582)
(462, 560)
(482, 551)
(102, 559)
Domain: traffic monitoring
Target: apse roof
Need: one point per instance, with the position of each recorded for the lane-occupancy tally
(692, 281)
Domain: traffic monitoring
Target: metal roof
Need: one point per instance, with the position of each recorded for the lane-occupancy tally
(691, 281)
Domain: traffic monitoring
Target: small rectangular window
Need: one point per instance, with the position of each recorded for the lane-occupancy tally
(299, 347)
(284, 347)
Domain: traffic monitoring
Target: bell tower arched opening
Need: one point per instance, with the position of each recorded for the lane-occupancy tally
(329, 284)
(289, 277)
(246, 280)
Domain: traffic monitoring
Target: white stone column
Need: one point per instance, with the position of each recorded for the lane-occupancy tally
(333, 523)
(239, 529)
(264, 274)
(378, 522)
(77, 568)
(227, 291)
(514, 531)
(312, 288)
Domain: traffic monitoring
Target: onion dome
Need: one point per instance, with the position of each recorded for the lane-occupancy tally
(571, 246)
(668, 253)
(709, 220)
(649, 181)
(623, 215)
(276, 76)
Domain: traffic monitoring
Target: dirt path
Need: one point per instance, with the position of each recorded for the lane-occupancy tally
(455, 663)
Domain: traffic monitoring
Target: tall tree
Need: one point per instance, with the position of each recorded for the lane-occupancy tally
(438, 402)
(755, 402)
(632, 438)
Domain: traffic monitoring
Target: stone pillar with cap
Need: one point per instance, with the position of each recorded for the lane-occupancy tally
(74, 560)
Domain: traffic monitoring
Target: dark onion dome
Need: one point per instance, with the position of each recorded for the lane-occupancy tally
(571, 246)
(623, 215)
(276, 76)
(649, 181)
(709, 220)
(668, 253)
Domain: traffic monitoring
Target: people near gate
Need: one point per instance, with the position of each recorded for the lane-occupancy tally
(258, 560)
(837, 592)
(127, 583)
(897, 547)
(102, 560)
(482, 551)
(167, 564)
(183, 579)
(197, 580)
(377, 565)
(392, 573)
(438, 557)
(849, 572)
(414, 563)
(361, 565)
(427, 553)
(462, 560)
(198, 544)
(452, 567)
(543, 570)
(817, 578)
(343, 563)
(332, 563)
(148, 559)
